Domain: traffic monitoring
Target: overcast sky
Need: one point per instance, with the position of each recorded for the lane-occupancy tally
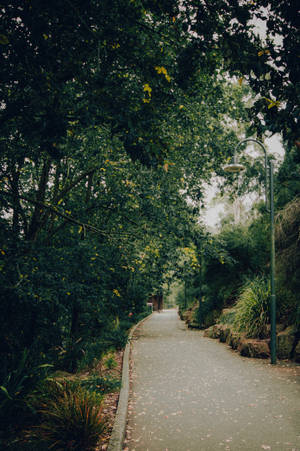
(211, 215)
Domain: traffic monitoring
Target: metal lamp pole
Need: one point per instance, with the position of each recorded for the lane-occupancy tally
(235, 167)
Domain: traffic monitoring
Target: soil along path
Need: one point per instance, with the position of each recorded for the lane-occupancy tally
(191, 393)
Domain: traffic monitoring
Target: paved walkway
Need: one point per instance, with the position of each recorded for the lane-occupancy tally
(192, 393)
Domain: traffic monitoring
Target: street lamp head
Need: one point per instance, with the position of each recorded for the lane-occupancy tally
(234, 167)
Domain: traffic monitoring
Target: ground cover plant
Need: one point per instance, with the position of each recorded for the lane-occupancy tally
(252, 309)
(70, 416)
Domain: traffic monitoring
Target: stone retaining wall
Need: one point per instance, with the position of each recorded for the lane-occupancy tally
(288, 344)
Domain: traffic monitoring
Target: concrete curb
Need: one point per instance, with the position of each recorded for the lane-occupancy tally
(119, 428)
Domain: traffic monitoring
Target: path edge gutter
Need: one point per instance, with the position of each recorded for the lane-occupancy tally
(118, 432)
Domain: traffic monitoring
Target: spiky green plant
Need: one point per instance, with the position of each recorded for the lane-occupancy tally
(252, 308)
(72, 420)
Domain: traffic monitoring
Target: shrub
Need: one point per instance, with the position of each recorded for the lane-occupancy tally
(116, 338)
(71, 417)
(93, 351)
(227, 317)
(101, 384)
(15, 390)
(287, 302)
(252, 308)
(91, 355)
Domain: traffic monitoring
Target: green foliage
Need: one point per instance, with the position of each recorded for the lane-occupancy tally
(15, 389)
(186, 296)
(71, 417)
(253, 308)
(116, 338)
(288, 262)
(107, 134)
(240, 253)
(287, 302)
(227, 317)
(287, 185)
(205, 316)
(110, 362)
(101, 384)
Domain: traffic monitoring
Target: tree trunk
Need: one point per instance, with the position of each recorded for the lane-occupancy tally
(35, 224)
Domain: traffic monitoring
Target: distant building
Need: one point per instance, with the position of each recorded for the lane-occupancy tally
(157, 301)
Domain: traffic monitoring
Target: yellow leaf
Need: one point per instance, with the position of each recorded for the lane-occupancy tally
(68, 293)
(147, 88)
(263, 52)
(59, 202)
(80, 229)
(2, 252)
(45, 36)
(240, 81)
(166, 167)
(272, 103)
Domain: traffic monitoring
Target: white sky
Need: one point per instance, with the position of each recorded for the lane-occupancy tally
(211, 215)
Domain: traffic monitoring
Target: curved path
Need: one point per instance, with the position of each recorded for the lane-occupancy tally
(191, 393)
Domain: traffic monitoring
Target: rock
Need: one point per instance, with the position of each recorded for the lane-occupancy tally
(208, 332)
(194, 325)
(296, 355)
(186, 315)
(285, 343)
(224, 333)
(234, 339)
(189, 315)
(212, 331)
(258, 349)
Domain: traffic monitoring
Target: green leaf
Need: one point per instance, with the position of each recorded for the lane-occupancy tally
(46, 365)
(5, 392)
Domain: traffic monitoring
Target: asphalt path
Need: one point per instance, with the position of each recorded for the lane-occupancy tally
(191, 393)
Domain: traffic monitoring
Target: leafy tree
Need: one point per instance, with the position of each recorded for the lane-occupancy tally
(227, 32)
(113, 116)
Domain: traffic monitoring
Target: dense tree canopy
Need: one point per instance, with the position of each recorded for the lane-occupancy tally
(113, 116)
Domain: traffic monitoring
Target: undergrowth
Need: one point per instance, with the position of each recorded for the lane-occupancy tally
(252, 309)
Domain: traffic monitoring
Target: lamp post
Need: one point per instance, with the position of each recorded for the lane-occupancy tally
(235, 167)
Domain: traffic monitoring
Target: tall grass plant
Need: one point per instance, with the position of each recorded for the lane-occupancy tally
(252, 308)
